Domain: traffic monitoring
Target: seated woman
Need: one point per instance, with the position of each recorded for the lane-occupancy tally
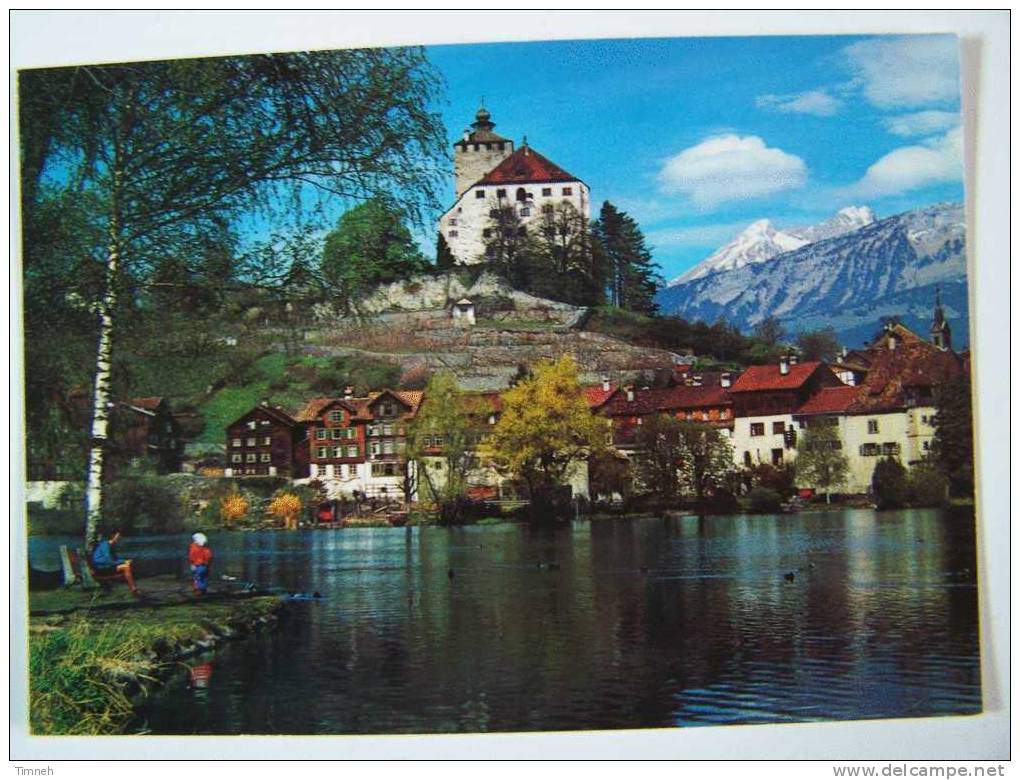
(107, 564)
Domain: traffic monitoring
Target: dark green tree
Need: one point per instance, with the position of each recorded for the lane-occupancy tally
(631, 272)
(163, 150)
(821, 344)
(444, 257)
(889, 483)
(370, 245)
(953, 447)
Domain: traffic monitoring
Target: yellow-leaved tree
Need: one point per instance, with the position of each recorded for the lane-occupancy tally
(546, 429)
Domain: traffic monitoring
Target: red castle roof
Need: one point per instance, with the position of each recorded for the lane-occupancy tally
(525, 166)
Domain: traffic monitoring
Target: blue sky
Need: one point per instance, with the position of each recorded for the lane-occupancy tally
(698, 137)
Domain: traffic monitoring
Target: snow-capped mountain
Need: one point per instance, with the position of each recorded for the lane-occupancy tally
(760, 242)
(849, 281)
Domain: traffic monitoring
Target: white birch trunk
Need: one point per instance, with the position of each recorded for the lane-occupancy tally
(101, 401)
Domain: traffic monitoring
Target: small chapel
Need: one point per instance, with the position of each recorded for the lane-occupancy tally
(491, 174)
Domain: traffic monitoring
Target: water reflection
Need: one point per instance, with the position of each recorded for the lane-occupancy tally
(606, 625)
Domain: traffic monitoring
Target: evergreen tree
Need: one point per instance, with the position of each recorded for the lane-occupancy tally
(953, 447)
(632, 273)
(444, 257)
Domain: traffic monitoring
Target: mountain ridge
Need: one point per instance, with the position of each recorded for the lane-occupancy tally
(846, 281)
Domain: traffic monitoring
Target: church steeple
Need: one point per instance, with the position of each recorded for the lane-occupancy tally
(941, 335)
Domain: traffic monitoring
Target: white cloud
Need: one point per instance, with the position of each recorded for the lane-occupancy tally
(922, 123)
(910, 167)
(731, 167)
(817, 102)
(696, 235)
(909, 71)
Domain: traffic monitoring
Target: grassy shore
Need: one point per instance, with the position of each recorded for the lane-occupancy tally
(89, 658)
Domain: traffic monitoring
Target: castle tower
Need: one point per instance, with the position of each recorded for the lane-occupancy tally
(941, 336)
(478, 152)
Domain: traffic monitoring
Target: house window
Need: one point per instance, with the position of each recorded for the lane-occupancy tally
(251, 425)
(235, 442)
(525, 212)
(872, 426)
(388, 410)
(777, 457)
(374, 448)
(388, 429)
(869, 450)
(778, 427)
(320, 452)
(236, 457)
(453, 234)
(480, 194)
(384, 469)
(500, 193)
(387, 447)
(265, 457)
(267, 439)
(890, 448)
(334, 433)
(338, 452)
(547, 192)
(352, 451)
(263, 423)
(321, 433)
(568, 190)
(250, 457)
(250, 442)
(757, 429)
(336, 416)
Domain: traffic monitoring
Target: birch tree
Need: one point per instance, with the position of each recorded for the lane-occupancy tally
(170, 149)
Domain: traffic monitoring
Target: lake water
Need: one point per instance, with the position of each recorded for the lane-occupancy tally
(638, 623)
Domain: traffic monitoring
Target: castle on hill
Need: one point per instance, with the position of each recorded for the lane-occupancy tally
(490, 175)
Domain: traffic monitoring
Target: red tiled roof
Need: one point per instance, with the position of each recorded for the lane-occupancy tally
(596, 395)
(526, 165)
(769, 378)
(412, 398)
(646, 401)
(831, 400)
(316, 406)
(914, 364)
(694, 397)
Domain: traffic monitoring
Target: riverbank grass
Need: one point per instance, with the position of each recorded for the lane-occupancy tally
(85, 666)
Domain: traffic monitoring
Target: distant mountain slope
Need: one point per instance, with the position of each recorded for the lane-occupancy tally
(761, 242)
(886, 268)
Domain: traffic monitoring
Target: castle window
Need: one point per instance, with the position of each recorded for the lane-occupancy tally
(522, 195)
(479, 193)
(547, 208)
(568, 190)
(872, 426)
(547, 192)
(453, 222)
(453, 234)
(778, 427)
(757, 429)
(500, 193)
(525, 212)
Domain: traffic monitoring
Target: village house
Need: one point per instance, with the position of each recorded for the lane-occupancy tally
(267, 442)
(764, 401)
(336, 439)
(491, 175)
